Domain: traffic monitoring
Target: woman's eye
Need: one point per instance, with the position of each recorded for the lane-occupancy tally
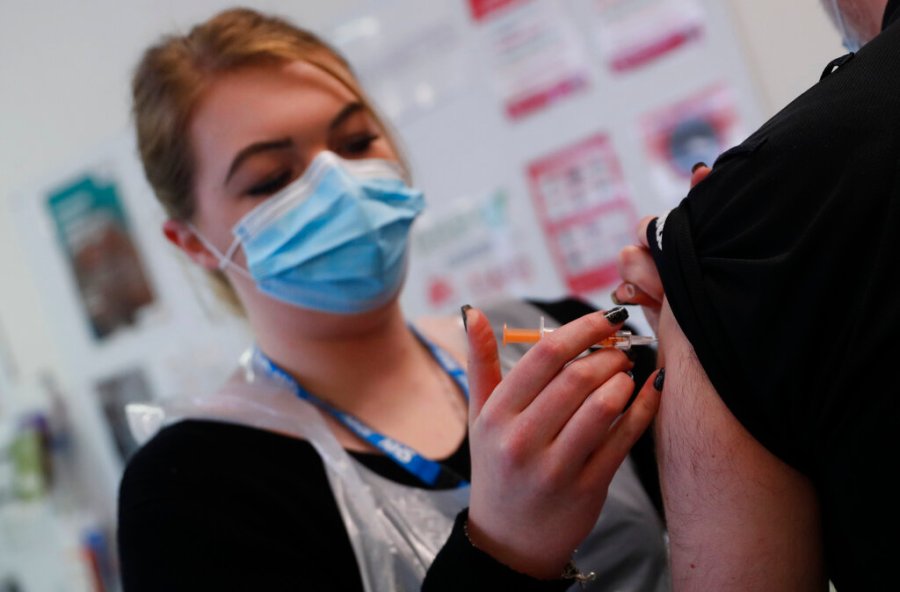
(358, 144)
(270, 185)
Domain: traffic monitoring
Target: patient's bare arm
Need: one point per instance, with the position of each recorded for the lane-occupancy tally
(739, 518)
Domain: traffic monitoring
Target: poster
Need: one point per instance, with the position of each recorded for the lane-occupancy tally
(632, 33)
(471, 253)
(100, 252)
(533, 52)
(696, 129)
(583, 204)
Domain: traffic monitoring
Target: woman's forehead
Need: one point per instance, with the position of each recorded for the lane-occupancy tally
(250, 86)
(256, 103)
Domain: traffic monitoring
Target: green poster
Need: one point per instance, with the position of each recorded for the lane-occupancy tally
(93, 232)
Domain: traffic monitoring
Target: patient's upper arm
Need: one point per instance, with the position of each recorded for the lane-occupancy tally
(738, 517)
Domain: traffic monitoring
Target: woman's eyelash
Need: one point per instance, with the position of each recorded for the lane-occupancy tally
(270, 185)
(360, 143)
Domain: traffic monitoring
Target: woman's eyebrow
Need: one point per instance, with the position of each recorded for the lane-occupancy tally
(256, 148)
(345, 113)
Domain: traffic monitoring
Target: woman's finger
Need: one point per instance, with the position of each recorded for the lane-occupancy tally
(545, 360)
(636, 267)
(699, 172)
(588, 429)
(553, 408)
(629, 294)
(642, 230)
(605, 461)
(483, 367)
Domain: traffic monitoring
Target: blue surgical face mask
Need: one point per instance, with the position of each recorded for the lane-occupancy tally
(334, 240)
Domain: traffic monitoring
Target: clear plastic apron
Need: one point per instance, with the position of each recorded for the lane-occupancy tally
(397, 530)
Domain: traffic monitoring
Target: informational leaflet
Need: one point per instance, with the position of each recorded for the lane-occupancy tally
(533, 51)
(632, 33)
(677, 137)
(583, 205)
(101, 253)
(471, 253)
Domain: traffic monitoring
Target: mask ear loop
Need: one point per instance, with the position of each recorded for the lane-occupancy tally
(224, 258)
(848, 35)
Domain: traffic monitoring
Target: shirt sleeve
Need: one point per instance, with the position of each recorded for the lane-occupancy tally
(461, 566)
(774, 267)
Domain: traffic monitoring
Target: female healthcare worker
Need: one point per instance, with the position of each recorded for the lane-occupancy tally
(337, 455)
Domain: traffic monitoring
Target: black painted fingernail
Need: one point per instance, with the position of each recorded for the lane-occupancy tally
(630, 374)
(616, 315)
(660, 379)
(464, 309)
(697, 166)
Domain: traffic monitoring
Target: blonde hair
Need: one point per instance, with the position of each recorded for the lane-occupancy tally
(173, 75)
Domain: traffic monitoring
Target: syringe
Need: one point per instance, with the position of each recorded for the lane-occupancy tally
(623, 340)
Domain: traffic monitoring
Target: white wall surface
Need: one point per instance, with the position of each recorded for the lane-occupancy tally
(787, 43)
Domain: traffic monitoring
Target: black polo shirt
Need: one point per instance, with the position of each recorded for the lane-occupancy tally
(781, 270)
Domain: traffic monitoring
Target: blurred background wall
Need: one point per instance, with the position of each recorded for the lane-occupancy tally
(65, 69)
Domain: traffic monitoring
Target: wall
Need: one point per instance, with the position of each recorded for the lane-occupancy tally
(788, 44)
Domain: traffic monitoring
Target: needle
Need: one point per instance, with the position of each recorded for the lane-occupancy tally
(623, 340)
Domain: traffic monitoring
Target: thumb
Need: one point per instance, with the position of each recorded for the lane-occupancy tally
(484, 363)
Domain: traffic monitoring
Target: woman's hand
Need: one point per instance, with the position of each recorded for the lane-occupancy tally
(641, 283)
(547, 440)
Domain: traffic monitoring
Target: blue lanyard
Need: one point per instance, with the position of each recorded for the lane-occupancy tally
(426, 470)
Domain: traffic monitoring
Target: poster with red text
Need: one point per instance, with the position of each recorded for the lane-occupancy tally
(632, 33)
(696, 129)
(533, 50)
(583, 205)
